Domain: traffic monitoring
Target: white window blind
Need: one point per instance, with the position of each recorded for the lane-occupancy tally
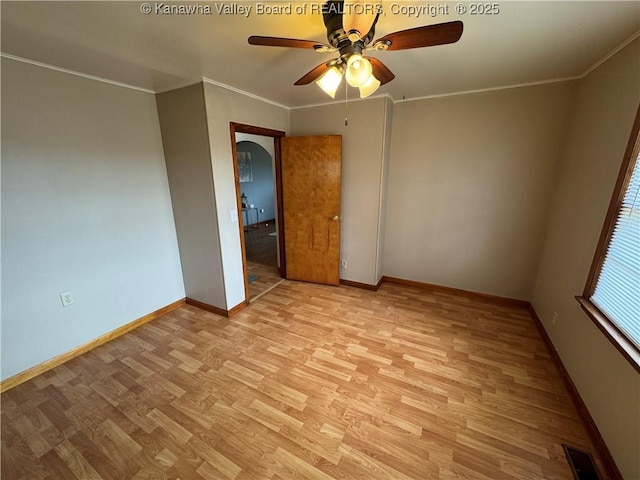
(617, 292)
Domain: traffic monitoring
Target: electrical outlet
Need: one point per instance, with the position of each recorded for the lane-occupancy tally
(66, 298)
(554, 319)
(343, 264)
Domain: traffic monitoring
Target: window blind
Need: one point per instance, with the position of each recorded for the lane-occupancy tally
(617, 291)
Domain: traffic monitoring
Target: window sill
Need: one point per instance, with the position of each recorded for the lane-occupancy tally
(620, 341)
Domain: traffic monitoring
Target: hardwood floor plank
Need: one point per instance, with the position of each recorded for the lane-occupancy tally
(52, 464)
(93, 452)
(172, 427)
(366, 466)
(216, 460)
(266, 415)
(123, 446)
(76, 463)
(308, 381)
(294, 468)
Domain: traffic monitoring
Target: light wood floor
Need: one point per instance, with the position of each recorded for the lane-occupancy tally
(307, 382)
(268, 277)
(261, 250)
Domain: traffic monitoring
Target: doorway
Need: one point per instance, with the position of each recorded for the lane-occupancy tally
(256, 154)
(258, 214)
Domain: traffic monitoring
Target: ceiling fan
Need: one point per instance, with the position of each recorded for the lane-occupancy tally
(350, 30)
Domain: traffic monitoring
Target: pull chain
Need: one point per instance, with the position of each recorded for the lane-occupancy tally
(346, 95)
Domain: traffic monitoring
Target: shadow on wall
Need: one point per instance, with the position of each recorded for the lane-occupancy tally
(256, 179)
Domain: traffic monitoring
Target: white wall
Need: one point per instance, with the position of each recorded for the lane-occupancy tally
(85, 208)
(264, 142)
(363, 164)
(224, 106)
(470, 183)
(185, 138)
(607, 102)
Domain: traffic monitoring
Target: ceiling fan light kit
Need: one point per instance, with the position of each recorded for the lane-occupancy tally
(350, 30)
(330, 81)
(358, 70)
(369, 87)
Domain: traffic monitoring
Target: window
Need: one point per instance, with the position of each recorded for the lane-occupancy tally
(612, 294)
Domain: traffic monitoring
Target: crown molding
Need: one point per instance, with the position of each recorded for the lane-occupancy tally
(490, 89)
(611, 54)
(73, 72)
(178, 86)
(242, 92)
(338, 102)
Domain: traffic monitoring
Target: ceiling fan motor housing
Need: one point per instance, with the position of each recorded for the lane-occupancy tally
(332, 13)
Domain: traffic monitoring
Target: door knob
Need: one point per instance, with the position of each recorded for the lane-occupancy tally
(335, 218)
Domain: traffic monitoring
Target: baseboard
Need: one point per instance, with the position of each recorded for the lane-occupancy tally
(364, 286)
(237, 308)
(218, 311)
(512, 302)
(592, 429)
(65, 357)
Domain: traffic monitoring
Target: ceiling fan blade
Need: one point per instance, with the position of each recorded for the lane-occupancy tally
(380, 70)
(287, 42)
(427, 36)
(313, 74)
(357, 18)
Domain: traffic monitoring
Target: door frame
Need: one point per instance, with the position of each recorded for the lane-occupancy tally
(276, 135)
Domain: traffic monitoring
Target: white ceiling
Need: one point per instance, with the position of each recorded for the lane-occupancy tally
(526, 42)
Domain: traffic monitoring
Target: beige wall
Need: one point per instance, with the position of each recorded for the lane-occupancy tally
(606, 106)
(183, 122)
(470, 183)
(85, 208)
(196, 133)
(384, 190)
(224, 106)
(363, 161)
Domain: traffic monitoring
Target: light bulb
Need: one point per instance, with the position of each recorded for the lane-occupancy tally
(369, 86)
(358, 70)
(330, 81)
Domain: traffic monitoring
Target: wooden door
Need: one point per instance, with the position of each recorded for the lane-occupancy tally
(311, 183)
